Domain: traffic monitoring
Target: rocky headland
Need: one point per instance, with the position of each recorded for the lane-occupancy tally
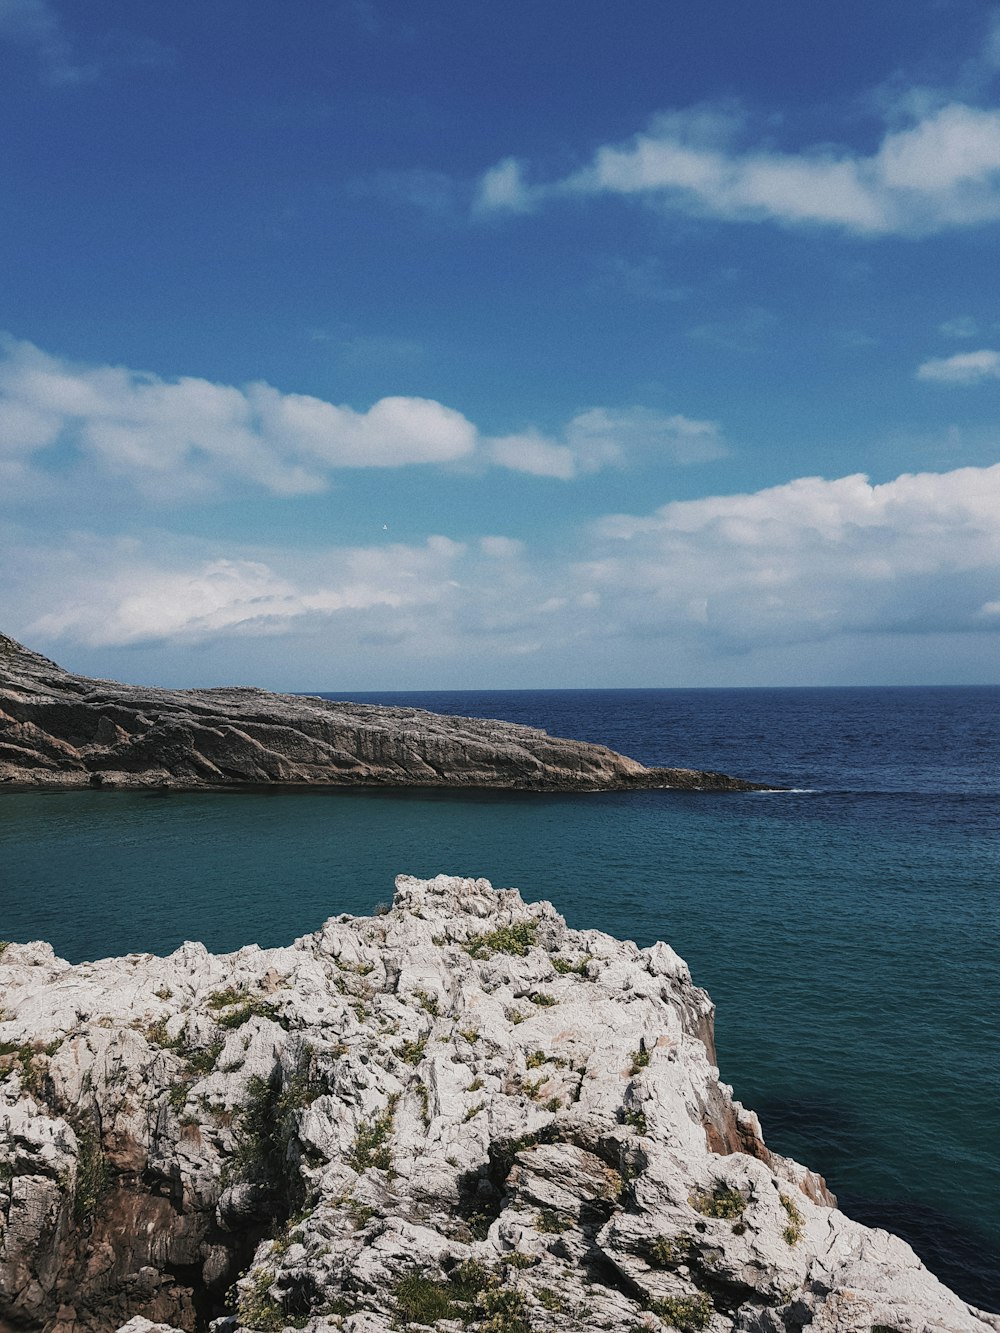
(457, 1114)
(62, 730)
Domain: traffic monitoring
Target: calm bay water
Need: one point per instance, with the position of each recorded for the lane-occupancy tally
(847, 931)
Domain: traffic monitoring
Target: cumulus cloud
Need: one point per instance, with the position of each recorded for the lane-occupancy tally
(120, 596)
(939, 172)
(604, 437)
(962, 368)
(191, 438)
(811, 559)
(811, 562)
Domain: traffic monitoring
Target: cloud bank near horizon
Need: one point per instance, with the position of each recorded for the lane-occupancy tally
(812, 561)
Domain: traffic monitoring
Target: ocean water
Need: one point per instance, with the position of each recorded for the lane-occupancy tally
(847, 929)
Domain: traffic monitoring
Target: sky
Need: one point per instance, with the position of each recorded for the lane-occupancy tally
(367, 344)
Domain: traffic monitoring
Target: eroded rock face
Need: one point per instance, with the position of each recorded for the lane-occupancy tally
(61, 730)
(459, 1114)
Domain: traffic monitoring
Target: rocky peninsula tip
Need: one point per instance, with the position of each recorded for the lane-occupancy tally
(59, 730)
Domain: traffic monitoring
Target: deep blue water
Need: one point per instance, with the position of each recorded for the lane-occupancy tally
(847, 931)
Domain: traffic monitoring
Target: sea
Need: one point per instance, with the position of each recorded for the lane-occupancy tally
(846, 927)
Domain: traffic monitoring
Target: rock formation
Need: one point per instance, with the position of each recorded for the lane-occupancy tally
(61, 730)
(457, 1114)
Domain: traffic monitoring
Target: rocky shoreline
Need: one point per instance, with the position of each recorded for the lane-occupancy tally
(58, 730)
(456, 1114)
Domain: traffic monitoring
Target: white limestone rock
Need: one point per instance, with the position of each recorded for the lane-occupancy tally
(460, 1113)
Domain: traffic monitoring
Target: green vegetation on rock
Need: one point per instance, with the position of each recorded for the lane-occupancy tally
(687, 1313)
(514, 939)
(722, 1201)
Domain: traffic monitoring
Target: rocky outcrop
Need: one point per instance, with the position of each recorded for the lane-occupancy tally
(61, 730)
(458, 1114)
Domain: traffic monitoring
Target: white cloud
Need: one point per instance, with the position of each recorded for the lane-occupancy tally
(34, 23)
(939, 172)
(962, 368)
(190, 438)
(532, 453)
(504, 188)
(120, 596)
(962, 326)
(813, 561)
(605, 437)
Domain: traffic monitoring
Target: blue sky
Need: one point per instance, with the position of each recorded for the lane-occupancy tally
(366, 344)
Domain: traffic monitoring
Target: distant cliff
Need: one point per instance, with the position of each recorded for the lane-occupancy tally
(460, 1114)
(61, 730)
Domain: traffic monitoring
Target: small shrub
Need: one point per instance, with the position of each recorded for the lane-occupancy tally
(413, 1051)
(4, 946)
(361, 1213)
(156, 1035)
(421, 1300)
(722, 1202)
(469, 1034)
(424, 1099)
(535, 1059)
(687, 1313)
(256, 1307)
(370, 1146)
(635, 1119)
(475, 1085)
(514, 939)
(550, 1300)
(640, 1059)
(427, 1002)
(543, 999)
(177, 1096)
(564, 968)
(203, 1060)
(796, 1222)
(254, 1008)
(518, 1259)
(549, 1223)
(469, 1278)
(668, 1251)
(473, 1111)
(503, 1310)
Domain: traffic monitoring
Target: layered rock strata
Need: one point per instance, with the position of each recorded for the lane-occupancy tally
(457, 1114)
(61, 730)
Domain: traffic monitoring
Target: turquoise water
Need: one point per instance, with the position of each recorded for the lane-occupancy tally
(847, 932)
